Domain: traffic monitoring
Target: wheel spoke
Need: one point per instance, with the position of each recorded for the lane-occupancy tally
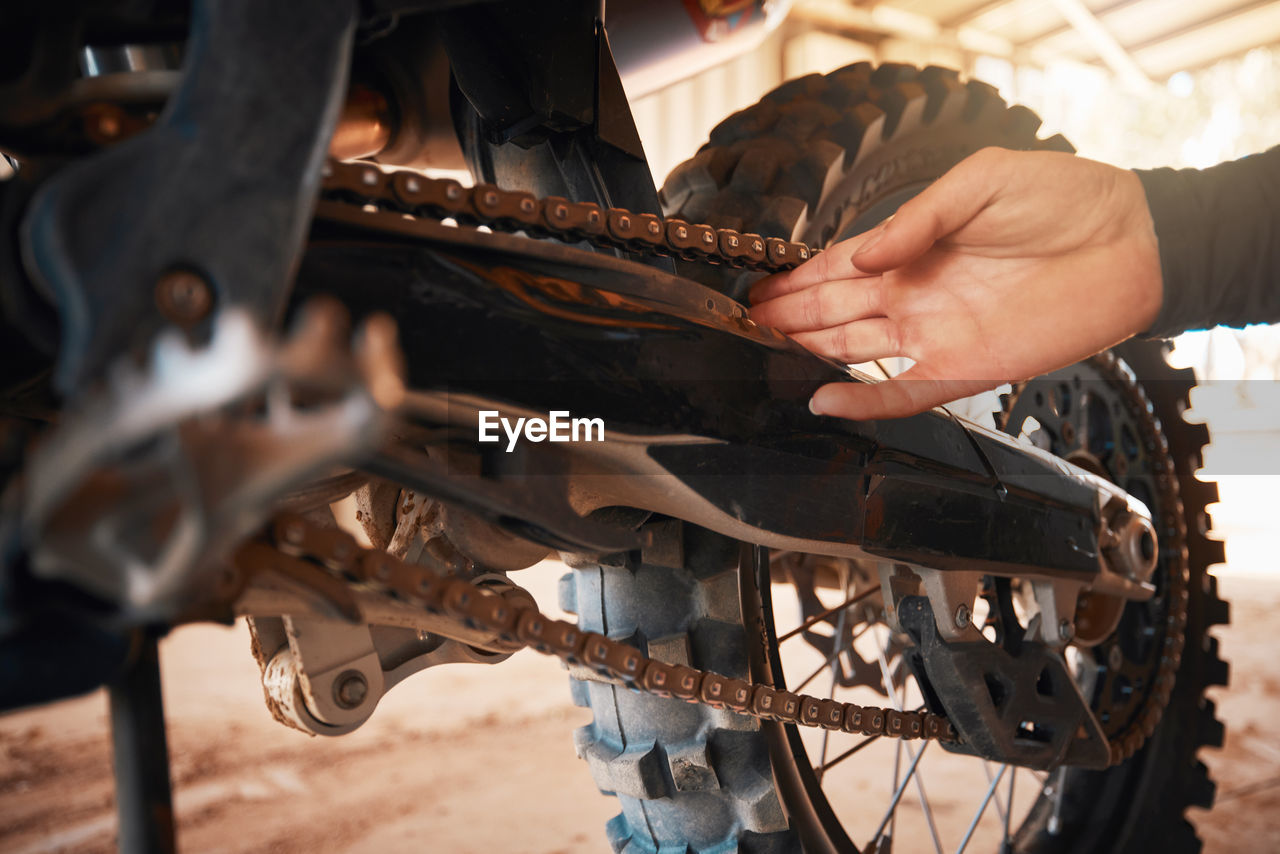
(1053, 785)
(852, 750)
(835, 663)
(1004, 817)
(897, 704)
(897, 770)
(897, 748)
(882, 650)
(897, 796)
(827, 663)
(982, 808)
(1008, 811)
(842, 607)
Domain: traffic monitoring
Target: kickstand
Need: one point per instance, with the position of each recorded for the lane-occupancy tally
(143, 801)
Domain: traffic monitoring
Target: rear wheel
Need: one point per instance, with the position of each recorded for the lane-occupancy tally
(820, 159)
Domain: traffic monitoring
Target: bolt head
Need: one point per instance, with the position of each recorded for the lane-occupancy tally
(183, 296)
(963, 616)
(350, 689)
(1115, 657)
(109, 126)
(1066, 631)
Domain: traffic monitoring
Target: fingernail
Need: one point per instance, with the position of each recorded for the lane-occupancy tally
(869, 245)
(876, 234)
(813, 406)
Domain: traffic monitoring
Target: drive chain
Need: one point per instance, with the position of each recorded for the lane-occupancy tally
(334, 552)
(416, 195)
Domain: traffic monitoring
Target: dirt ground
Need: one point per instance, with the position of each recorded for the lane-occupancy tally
(465, 759)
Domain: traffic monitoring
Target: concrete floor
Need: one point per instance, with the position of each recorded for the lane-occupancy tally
(466, 759)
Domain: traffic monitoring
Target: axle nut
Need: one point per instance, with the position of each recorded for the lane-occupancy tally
(350, 689)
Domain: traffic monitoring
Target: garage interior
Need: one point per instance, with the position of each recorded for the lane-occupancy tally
(1136, 83)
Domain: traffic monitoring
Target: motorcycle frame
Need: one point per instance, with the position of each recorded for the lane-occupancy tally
(737, 449)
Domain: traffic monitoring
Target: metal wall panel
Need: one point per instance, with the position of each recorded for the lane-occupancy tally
(673, 122)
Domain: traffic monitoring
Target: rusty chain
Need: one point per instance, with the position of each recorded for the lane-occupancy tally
(416, 195)
(334, 552)
(336, 556)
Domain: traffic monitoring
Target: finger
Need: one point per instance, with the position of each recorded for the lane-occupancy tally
(821, 306)
(909, 393)
(943, 207)
(860, 341)
(833, 263)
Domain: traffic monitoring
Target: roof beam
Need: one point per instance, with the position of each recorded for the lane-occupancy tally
(885, 20)
(1215, 39)
(1103, 43)
(974, 14)
(1100, 14)
(1201, 24)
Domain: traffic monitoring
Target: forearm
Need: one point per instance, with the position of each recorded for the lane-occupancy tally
(1219, 236)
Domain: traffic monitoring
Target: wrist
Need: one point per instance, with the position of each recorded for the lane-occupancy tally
(1146, 272)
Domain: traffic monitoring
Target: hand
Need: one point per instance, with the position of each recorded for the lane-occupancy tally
(1011, 265)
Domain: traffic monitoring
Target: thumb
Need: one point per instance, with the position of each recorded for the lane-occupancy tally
(942, 208)
(909, 393)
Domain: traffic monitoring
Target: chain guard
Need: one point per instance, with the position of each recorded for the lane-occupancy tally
(1023, 709)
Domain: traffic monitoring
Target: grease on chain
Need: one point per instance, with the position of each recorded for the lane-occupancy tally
(335, 553)
(508, 210)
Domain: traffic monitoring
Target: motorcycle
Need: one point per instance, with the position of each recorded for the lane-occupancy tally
(203, 200)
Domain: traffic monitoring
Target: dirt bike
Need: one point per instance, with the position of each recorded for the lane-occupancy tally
(778, 614)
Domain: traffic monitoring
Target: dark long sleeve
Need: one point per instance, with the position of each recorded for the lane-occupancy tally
(1219, 234)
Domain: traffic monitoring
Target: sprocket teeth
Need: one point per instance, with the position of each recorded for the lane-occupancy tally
(1123, 377)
